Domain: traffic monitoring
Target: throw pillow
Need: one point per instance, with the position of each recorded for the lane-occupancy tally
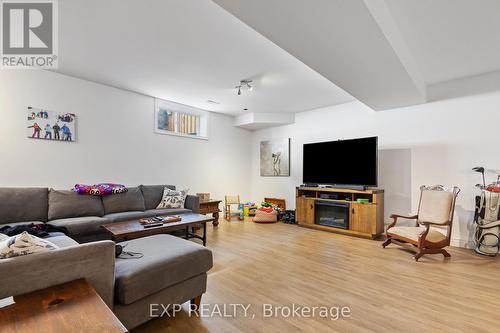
(172, 199)
(24, 244)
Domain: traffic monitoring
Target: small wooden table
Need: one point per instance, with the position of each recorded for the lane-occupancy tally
(211, 207)
(122, 231)
(69, 307)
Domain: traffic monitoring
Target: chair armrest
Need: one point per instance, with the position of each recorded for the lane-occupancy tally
(412, 217)
(423, 235)
(438, 224)
(192, 202)
(94, 262)
(395, 218)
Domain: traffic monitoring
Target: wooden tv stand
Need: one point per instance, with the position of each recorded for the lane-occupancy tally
(365, 219)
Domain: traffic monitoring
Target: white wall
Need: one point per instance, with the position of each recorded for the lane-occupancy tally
(435, 143)
(116, 141)
(426, 144)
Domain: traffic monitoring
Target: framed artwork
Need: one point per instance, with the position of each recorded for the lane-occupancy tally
(48, 125)
(275, 158)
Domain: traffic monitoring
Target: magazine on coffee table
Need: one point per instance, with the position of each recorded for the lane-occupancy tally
(160, 219)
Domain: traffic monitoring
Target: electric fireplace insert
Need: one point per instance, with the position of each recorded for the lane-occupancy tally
(331, 214)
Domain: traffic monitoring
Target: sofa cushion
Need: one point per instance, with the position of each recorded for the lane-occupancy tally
(15, 224)
(65, 204)
(153, 194)
(79, 226)
(62, 241)
(132, 200)
(167, 211)
(126, 216)
(23, 204)
(167, 260)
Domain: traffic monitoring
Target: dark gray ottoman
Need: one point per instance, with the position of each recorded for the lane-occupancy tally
(172, 271)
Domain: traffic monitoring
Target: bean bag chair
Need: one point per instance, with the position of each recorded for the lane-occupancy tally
(263, 216)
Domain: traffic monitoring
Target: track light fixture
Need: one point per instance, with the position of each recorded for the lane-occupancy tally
(244, 84)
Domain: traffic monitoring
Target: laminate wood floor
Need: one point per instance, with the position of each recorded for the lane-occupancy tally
(385, 289)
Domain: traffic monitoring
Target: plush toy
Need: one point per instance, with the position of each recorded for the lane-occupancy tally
(99, 189)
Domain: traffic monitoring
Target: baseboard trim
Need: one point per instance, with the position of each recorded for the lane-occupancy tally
(463, 243)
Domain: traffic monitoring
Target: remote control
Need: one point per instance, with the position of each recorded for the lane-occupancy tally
(153, 225)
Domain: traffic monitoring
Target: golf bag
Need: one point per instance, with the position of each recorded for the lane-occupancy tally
(487, 219)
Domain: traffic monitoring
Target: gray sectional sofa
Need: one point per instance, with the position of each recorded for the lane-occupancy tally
(171, 271)
(83, 215)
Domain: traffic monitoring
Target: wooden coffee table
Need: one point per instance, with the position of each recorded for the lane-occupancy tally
(70, 307)
(122, 231)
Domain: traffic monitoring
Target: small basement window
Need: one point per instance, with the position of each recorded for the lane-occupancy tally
(182, 120)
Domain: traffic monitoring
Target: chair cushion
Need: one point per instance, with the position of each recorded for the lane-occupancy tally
(65, 204)
(435, 206)
(23, 204)
(153, 194)
(412, 233)
(132, 200)
(167, 260)
(79, 226)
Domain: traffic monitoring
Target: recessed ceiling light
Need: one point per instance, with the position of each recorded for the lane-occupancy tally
(212, 102)
(245, 109)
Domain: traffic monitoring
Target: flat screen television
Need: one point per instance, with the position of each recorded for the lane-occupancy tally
(343, 162)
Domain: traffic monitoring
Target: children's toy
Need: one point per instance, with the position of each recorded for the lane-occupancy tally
(100, 189)
(289, 216)
(229, 212)
(487, 217)
(278, 205)
(249, 209)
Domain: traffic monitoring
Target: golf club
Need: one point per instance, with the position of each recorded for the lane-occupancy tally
(481, 171)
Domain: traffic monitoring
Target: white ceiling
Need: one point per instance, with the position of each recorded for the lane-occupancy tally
(187, 51)
(386, 53)
(450, 39)
(353, 43)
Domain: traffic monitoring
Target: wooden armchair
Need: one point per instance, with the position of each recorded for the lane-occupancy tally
(432, 230)
(230, 200)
